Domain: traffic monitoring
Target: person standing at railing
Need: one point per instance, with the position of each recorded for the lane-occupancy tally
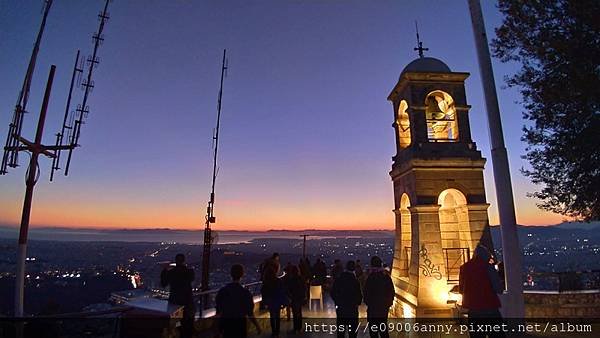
(379, 297)
(274, 297)
(347, 296)
(271, 263)
(179, 280)
(234, 305)
(296, 289)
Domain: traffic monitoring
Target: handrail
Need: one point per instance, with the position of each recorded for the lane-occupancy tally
(208, 292)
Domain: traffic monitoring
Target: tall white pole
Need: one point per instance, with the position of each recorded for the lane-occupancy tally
(513, 304)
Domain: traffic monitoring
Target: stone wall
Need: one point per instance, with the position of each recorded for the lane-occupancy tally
(568, 304)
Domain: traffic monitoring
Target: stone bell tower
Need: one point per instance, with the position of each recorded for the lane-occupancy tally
(439, 194)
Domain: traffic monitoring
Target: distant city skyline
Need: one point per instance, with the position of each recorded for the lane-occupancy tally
(306, 140)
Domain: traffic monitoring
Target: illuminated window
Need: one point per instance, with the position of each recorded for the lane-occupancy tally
(440, 115)
(403, 122)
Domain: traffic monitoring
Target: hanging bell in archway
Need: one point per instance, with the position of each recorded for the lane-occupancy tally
(433, 111)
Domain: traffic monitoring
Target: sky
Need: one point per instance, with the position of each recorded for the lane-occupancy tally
(306, 138)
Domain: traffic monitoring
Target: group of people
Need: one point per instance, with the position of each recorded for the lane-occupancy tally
(350, 287)
(287, 291)
(377, 293)
(479, 284)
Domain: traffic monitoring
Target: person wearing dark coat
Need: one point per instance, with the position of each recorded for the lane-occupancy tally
(480, 285)
(296, 290)
(275, 297)
(305, 269)
(234, 305)
(347, 296)
(379, 296)
(179, 280)
(320, 272)
(337, 269)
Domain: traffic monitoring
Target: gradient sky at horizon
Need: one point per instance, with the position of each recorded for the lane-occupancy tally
(306, 128)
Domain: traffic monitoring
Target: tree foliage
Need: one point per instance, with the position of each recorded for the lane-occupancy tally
(557, 45)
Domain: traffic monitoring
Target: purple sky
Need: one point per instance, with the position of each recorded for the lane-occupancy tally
(306, 128)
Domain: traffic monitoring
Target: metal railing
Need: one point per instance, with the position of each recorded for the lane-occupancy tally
(209, 297)
(454, 258)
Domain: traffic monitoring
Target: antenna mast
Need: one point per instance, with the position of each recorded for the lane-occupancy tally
(15, 143)
(210, 217)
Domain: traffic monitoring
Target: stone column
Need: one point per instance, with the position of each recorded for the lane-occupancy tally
(397, 265)
(477, 219)
(427, 268)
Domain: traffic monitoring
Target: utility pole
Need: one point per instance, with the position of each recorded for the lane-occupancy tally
(210, 217)
(304, 245)
(513, 305)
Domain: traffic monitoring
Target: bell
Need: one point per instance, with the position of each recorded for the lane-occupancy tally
(433, 111)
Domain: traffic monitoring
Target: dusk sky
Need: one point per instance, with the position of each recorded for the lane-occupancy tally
(306, 139)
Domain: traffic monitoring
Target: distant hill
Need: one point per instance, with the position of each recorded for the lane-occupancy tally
(228, 236)
(180, 236)
(562, 231)
(579, 225)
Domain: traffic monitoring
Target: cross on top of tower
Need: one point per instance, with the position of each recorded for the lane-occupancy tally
(419, 47)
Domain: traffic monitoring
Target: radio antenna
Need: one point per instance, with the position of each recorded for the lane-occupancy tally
(82, 110)
(10, 158)
(210, 216)
(16, 143)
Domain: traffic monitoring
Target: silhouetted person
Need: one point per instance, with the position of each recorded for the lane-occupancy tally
(234, 305)
(286, 275)
(347, 297)
(296, 289)
(274, 297)
(270, 263)
(337, 269)
(480, 285)
(379, 296)
(306, 273)
(501, 274)
(179, 279)
(359, 269)
(305, 269)
(320, 272)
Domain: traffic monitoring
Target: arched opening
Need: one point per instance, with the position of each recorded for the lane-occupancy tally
(403, 123)
(405, 237)
(440, 116)
(454, 231)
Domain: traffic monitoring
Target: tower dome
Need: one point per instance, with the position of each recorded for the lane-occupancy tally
(426, 65)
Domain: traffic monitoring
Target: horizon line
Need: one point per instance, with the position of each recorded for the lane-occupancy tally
(62, 227)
